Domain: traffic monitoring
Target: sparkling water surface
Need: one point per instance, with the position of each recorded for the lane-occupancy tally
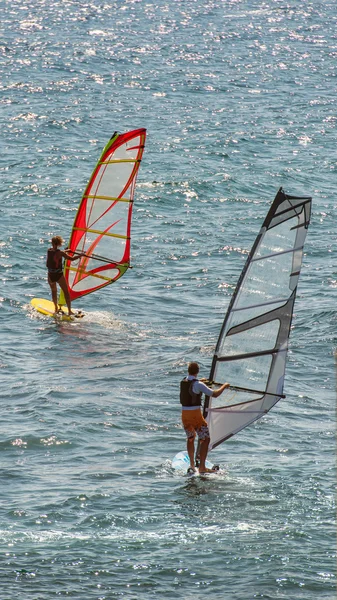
(238, 99)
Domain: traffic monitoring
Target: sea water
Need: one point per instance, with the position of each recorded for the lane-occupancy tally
(238, 98)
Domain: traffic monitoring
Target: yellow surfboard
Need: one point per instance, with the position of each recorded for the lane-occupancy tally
(46, 307)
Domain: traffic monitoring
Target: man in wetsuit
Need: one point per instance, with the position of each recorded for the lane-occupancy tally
(54, 265)
(191, 390)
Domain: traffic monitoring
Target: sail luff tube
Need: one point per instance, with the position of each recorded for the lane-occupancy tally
(252, 347)
(102, 225)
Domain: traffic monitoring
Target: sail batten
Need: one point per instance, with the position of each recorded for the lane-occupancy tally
(116, 235)
(124, 160)
(109, 198)
(102, 225)
(277, 301)
(253, 343)
(276, 253)
(250, 355)
(92, 274)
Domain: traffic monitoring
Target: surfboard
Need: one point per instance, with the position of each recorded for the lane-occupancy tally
(46, 307)
(181, 462)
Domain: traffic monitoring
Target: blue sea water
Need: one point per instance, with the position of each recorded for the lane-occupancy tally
(238, 99)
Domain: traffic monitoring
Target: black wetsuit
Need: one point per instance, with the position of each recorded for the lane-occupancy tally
(54, 264)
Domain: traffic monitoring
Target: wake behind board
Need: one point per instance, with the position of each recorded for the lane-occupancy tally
(46, 307)
(181, 462)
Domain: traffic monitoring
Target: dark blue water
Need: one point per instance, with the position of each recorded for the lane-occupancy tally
(238, 99)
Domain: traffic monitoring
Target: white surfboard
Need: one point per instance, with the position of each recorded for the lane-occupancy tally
(181, 462)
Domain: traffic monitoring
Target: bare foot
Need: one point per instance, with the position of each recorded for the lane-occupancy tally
(191, 470)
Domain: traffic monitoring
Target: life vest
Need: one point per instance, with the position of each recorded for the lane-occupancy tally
(187, 396)
(54, 261)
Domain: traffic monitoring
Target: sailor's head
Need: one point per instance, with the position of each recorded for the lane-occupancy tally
(193, 368)
(57, 241)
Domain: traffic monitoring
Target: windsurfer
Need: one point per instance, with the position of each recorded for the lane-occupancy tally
(191, 390)
(54, 264)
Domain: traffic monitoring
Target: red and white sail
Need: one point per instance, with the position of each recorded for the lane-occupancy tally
(102, 226)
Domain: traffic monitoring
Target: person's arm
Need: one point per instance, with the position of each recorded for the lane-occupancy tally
(218, 392)
(204, 389)
(200, 386)
(74, 257)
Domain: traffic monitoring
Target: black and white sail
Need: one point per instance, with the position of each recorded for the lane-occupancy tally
(252, 347)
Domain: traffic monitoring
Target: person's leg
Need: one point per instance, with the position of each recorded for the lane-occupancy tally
(190, 449)
(203, 455)
(204, 438)
(63, 285)
(53, 292)
(188, 418)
